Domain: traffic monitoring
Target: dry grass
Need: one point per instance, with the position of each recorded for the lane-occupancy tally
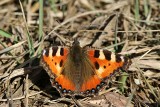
(131, 27)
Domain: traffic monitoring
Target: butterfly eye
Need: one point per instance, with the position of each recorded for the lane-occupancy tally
(56, 83)
(102, 83)
(98, 87)
(87, 92)
(60, 87)
(82, 92)
(64, 91)
(69, 91)
(52, 78)
(93, 91)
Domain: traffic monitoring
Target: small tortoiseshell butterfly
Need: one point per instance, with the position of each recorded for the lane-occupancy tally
(80, 71)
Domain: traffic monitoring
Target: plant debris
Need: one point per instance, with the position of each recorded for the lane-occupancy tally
(128, 27)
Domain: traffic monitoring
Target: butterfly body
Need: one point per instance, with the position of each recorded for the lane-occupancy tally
(82, 71)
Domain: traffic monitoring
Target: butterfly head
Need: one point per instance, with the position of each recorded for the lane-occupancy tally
(76, 52)
(75, 43)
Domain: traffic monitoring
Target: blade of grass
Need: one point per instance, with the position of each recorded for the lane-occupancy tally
(146, 9)
(137, 16)
(52, 4)
(3, 44)
(40, 27)
(5, 34)
(142, 21)
(6, 49)
(115, 34)
(29, 39)
(114, 45)
(11, 47)
(122, 81)
(40, 19)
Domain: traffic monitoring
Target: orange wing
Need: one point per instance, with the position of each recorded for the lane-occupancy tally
(105, 62)
(53, 59)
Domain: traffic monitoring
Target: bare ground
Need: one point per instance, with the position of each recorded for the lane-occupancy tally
(129, 27)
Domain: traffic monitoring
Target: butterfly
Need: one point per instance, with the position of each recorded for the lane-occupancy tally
(80, 70)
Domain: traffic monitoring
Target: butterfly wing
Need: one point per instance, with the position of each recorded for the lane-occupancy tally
(52, 61)
(53, 58)
(106, 62)
(102, 64)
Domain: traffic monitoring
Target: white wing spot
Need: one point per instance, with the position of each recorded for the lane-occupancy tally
(58, 52)
(101, 56)
(100, 70)
(58, 68)
(50, 52)
(113, 57)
